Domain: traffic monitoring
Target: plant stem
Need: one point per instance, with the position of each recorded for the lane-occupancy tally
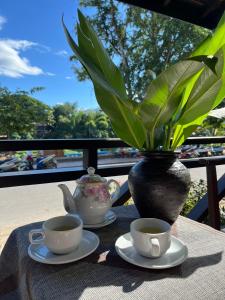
(168, 138)
(175, 141)
(148, 141)
(151, 139)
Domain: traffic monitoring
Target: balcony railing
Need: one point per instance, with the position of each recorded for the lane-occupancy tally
(209, 203)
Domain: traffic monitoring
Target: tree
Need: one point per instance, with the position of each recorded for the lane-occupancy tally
(85, 125)
(211, 127)
(103, 125)
(143, 43)
(20, 114)
(69, 122)
(93, 124)
(64, 120)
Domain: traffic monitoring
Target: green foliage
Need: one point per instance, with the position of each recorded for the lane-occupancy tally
(143, 43)
(108, 83)
(222, 215)
(176, 101)
(36, 89)
(197, 191)
(20, 114)
(69, 122)
(212, 126)
(209, 46)
(64, 121)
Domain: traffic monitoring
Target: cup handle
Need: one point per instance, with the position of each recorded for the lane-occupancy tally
(155, 247)
(36, 231)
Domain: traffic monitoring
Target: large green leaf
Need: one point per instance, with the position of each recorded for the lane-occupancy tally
(110, 71)
(208, 91)
(208, 47)
(213, 42)
(202, 105)
(109, 98)
(149, 108)
(94, 72)
(125, 123)
(165, 92)
(86, 47)
(212, 45)
(221, 94)
(205, 80)
(210, 61)
(203, 93)
(109, 88)
(182, 132)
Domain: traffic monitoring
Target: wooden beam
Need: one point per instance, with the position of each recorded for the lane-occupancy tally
(205, 13)
(213, 203)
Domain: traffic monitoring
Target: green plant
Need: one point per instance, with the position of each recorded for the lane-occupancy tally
(197, 191)
(176, 102)
(222, 216)
(122, 28)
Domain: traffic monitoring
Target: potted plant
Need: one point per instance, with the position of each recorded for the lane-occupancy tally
(176, 102)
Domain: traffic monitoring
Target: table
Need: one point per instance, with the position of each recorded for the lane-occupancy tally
(104, 275)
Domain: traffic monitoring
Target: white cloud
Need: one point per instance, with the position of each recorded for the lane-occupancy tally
(62, 53)
(3, 20)
(68, 77)
(50, 74)
(12, 64)
(18, 44)
(42, 48)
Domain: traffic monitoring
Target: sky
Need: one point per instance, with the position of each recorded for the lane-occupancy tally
(34, 51)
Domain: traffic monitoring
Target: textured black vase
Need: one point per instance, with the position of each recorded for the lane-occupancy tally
(159, 185)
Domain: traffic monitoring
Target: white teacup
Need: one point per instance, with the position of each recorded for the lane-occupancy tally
(60, 234)
(151, 237)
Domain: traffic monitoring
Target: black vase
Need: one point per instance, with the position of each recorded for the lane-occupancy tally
(159, 185)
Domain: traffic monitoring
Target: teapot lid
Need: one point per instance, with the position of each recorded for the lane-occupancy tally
(91, 177)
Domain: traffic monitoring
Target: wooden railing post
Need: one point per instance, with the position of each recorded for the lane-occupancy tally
(213, 203)
(90, 158)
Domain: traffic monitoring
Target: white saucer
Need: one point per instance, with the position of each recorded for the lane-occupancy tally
(175, 255)
(40, 252)
(110, 217)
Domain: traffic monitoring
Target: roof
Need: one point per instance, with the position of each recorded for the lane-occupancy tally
(205, 13)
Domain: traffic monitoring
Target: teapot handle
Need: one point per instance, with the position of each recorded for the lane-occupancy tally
(114, 185)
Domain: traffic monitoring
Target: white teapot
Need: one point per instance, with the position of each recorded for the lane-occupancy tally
(92, 198)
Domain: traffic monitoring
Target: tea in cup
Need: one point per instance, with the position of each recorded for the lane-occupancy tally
(61, 234)
(151, 237)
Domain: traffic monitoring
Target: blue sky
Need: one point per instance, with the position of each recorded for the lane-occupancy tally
(34, 51)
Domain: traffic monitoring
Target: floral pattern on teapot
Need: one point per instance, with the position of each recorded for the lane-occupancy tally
(99, 193)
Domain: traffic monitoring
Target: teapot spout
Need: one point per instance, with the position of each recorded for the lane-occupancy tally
(68, 202)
